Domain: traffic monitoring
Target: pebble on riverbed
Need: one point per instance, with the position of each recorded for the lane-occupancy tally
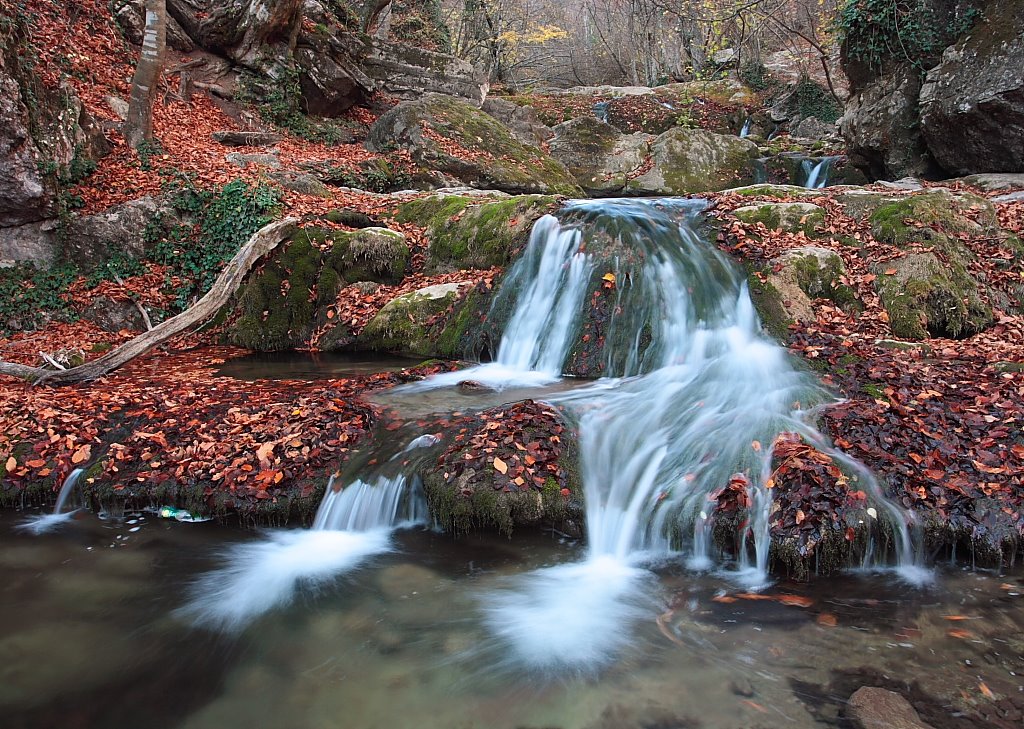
(877, 708)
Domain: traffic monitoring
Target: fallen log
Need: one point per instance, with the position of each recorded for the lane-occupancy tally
(260, 244)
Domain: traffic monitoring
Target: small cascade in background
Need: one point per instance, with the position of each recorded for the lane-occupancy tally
(601, 111)
(816, 173)
(48, 522)
(694, 393)
(352, 524)
(745, 131)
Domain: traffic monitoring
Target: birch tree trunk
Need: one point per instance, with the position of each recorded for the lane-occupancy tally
(139, 125)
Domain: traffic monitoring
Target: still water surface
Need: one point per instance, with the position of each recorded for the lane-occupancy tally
(89, 638)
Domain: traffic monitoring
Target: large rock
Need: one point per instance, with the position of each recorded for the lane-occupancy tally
(877, 708)
(522, 121)
(598, 155)
(465, 234)
(801, 275)
(35, 243)
(403, 325)
(291, 297)
(693, 160)
(452, 137)
(972, 103)
(44, 133)
(881, 130)
(91, 239)
(131, 18)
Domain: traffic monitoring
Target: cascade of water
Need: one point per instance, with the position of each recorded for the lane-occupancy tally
(694, 393)
(362, 506)
(601, 111)
(745, 131)
(816, 175)
(48, 522)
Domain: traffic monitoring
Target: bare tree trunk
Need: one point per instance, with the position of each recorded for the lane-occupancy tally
(262, 242)
(139, 125)
(372, 11)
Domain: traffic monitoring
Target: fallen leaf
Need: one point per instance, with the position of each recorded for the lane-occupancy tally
(500, 466)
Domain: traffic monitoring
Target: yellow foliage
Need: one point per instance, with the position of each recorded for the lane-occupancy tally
(535, 35)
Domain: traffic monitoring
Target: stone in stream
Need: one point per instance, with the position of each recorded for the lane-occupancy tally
(877, 708)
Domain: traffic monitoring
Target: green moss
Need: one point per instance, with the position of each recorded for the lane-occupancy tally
(402, 325)
(768, 303)
(930, 217)
(465, 235)
(875, 391)
(824, 281)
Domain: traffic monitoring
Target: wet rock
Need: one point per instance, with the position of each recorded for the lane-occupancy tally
(402, 326)
(876, 708)
(489, 156)
(246, 139)
(742, 687)
(114, 316)
(694, 160)
(972, 102)
(402, 580)
(473, 387)
(598, 155)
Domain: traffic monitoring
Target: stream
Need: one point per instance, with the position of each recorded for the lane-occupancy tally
(90, 638)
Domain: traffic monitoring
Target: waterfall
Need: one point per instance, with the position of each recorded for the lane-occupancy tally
(352, 525)
(601, 111)
(816, 174)
(48, 522)
(693, 393)
(745, 131)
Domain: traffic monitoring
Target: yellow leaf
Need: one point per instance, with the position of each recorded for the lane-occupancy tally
(500, 466)
(609, 277)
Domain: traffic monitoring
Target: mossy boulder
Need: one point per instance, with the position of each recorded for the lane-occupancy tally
(801, 275)
(777, 192)
(598, 155)
(693, 160)
(792, 217)
(403, 326)
(932, 216)
(466, 233)
(281, 305)
(451, 137)
(925, 296)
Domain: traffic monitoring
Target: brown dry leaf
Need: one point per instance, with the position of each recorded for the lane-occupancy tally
(82, 454)
(12, 463)
(828, 620)
(500, 466)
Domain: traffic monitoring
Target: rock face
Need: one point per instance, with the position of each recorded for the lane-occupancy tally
(462, 143)
(881, 130)
(877, 708)
(522, 121)
(966, 117)
(972, 103)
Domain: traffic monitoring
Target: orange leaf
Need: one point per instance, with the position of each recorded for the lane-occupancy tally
(986, 691)
(38, 463)
(828, 620)
(82, 454)
(500, 466)
(960, 633)
(11, 464)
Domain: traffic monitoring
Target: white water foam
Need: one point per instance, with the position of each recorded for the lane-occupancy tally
(265, 575)
(572, 617)
(352, 525)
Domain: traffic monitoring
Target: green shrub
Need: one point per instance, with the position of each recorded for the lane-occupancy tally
(224, 220)
(31, 297)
